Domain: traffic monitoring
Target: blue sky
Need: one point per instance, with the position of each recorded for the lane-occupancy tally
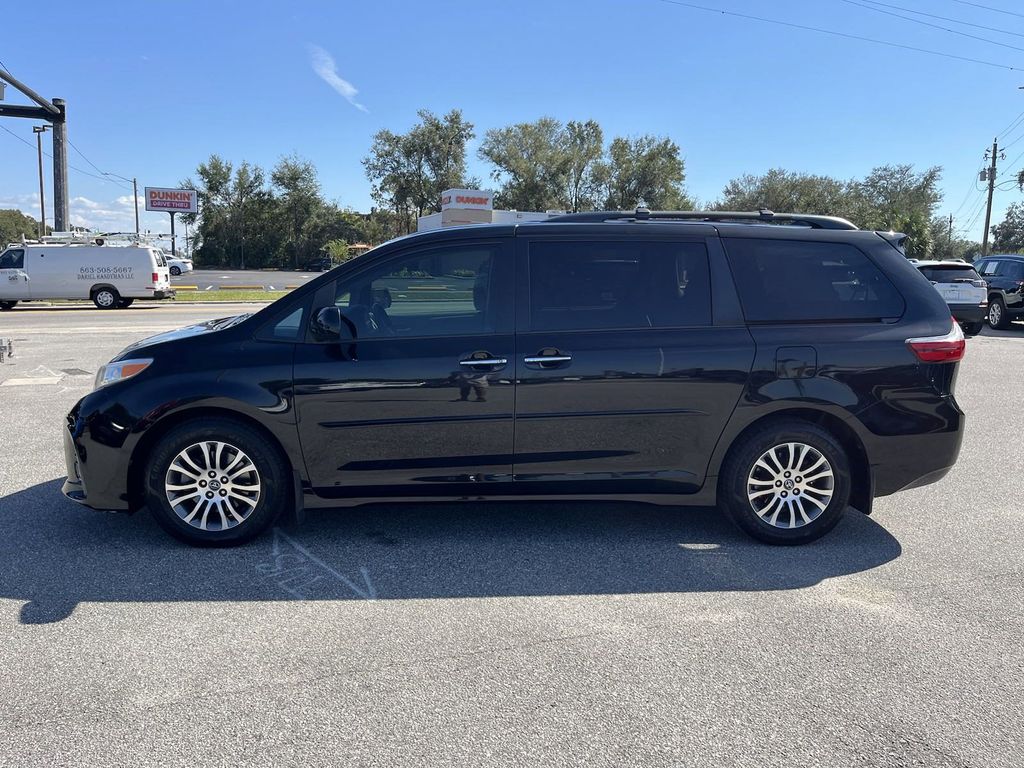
(155, 88)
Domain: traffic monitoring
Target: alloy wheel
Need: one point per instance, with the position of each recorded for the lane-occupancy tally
(212, 486)
(995, 313)
(790, 485)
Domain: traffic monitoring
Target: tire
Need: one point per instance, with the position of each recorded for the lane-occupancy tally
(6, 305)
(124, 303)
(106, 298)
(176, 271)
(744, 472)
(264, 480)
(998, 317)
(972, 329)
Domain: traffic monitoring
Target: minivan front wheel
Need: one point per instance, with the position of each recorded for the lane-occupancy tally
(788, 483)
(216, 482)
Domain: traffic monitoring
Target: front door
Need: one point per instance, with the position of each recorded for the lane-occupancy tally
(425, 397)
(14, 280)
(625, 384)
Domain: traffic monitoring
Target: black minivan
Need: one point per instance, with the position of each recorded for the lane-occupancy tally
(783, 367)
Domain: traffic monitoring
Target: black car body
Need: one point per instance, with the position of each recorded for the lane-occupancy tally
(1004, 274)
(582, 358)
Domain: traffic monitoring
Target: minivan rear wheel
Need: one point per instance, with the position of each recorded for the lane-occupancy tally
(5, 305)
(106, 298)
(787, 483)
(217, 482)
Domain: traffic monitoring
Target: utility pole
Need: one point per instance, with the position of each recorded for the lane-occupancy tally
(949, 232)
(39, 130)
(135, 199)
(991, 190)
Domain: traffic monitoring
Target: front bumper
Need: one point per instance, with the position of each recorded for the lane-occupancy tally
(969, 313)
(96, 473)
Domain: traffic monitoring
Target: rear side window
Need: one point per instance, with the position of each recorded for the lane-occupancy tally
(788, 281)
(987, 267)
(1014, 270)
(950, 274)
(12, 259)
(606, 285)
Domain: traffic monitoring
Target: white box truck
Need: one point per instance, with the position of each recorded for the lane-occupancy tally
(112, 277)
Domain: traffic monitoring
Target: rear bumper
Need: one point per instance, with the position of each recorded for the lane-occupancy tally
(969, 313)
(168, 293)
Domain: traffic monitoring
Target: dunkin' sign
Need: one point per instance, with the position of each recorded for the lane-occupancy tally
(467, 198)
(172, 200)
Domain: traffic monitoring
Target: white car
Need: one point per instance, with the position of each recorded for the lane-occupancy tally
(179, 265)
(964, 290)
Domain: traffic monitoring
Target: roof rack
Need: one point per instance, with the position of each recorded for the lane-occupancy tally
(764, 216)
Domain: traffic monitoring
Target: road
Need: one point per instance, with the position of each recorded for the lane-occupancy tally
(505, 634)
(206, 279)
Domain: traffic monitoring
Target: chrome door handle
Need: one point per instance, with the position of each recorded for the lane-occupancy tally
(487, 361)
(541, 359)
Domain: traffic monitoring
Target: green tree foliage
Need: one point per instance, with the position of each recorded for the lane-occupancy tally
(14, 224)
(1008, 235)
(531, 163)
(891, 197)
(408, 171)
(247, 219)
(946, 245)
(646, 169)
(546, 165)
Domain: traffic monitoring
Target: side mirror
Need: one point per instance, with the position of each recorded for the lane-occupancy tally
(326, 324)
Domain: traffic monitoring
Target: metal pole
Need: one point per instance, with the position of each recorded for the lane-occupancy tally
(173, 248)
(135, 197)
(39, 130)
(60, 169)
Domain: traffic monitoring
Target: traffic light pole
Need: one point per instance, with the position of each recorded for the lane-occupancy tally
(55, 114)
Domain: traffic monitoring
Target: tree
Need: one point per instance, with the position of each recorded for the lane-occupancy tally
(895, 197)
(531, 164)
(646, 169)
(1008, 235)
(785, 191)
(408, 172)
(948, 246)
(14, 225)
(299, 208)
(583, 144)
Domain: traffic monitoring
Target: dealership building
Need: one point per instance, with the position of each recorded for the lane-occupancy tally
(475, 206)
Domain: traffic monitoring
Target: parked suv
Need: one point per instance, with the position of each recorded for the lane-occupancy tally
(1005, 277)
(782, 367)
(962, 288)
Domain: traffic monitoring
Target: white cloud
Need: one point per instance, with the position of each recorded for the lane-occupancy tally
(324, 66)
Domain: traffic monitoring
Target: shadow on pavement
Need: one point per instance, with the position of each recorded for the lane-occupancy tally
(55, 554)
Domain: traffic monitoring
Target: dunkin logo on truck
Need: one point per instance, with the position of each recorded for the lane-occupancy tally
(172, 200)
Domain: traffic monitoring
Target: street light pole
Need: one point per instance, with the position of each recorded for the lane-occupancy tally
(135, 199)
(39, 130)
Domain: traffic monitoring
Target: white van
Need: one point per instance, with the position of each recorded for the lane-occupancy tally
(111, 276)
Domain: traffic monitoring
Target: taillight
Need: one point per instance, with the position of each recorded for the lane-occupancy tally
(156, 277)
(940, 349)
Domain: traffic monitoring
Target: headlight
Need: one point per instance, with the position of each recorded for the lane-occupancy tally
(121, 370)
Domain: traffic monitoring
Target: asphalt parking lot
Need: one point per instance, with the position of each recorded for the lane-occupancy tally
(505, 634)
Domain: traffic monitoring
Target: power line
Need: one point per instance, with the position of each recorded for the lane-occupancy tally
(840, 34)
(1013, 124)
(947, 18)
(90, 162)
(933, 26)
(29, 144)
(989, 8)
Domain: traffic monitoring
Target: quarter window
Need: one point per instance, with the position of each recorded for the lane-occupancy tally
(787, 281)
(441, 292)
(1013, 270)
(607, 285)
